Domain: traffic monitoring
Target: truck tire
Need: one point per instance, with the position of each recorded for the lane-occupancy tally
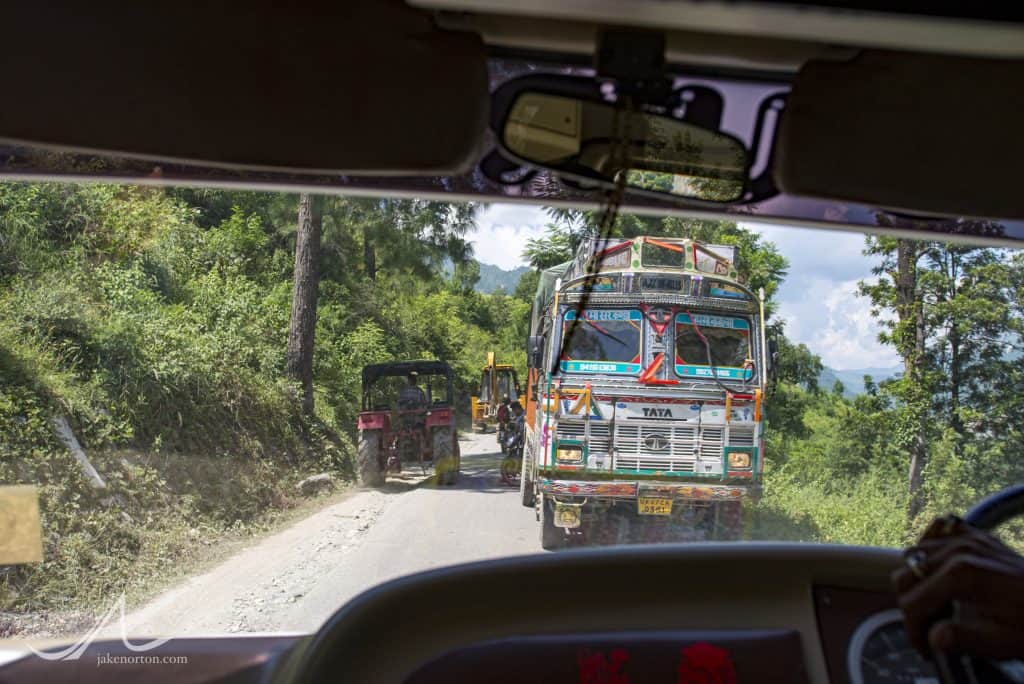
(527, 496)
(551, 537)
(446, 461)
(368, 465)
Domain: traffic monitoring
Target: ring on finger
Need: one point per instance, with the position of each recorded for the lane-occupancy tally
(915, 561)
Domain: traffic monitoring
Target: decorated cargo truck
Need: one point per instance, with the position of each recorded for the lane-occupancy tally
(645, 396)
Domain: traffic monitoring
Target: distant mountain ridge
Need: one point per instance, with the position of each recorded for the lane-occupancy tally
(492, 277)
(853, 379)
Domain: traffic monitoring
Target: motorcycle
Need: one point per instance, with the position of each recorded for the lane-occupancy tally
(512, 447)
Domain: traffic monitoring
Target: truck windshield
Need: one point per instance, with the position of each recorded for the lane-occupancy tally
(604, 341)
(727, 336)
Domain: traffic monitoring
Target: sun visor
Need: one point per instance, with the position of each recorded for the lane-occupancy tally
(348, 87)
(925, 134)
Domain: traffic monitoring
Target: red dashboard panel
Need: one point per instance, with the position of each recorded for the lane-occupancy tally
(682, 657)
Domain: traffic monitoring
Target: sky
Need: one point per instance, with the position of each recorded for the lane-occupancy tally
(818, 299)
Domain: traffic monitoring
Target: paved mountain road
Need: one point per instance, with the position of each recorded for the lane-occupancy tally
(295, 579)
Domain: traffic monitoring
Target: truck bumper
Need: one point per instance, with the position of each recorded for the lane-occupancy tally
(632, 490)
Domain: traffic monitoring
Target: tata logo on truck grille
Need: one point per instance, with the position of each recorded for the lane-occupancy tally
(657, 412)
(656, 442)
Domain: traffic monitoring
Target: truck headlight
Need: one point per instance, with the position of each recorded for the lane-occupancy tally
(739, 459)
(569, 454)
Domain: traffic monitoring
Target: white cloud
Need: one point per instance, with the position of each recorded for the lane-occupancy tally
(819, 300)
(502, 232)
(836, 324)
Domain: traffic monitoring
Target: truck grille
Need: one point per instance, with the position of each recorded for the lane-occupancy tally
(671, 449)
(577, 430)
(656, 447)
(741, 436)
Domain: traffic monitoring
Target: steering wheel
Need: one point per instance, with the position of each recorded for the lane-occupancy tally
(997, 508)
(985, 515)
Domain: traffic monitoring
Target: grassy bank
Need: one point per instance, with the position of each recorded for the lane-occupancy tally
(161, 343)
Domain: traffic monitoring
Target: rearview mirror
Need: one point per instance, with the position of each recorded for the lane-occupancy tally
(535, 351)
(575, 137)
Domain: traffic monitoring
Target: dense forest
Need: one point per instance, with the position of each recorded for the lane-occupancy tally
(156, 323)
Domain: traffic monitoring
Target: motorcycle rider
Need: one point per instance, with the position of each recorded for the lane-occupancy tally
(515, 428)
(503, 410)
(503, 418)
(517, 413)
(511, 439)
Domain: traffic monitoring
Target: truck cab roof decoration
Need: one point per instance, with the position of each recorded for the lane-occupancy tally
(618, 269)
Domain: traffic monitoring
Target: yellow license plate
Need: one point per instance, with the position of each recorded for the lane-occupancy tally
(652, 506)
(567, 516)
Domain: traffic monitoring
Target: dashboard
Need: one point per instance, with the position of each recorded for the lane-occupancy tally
(687, 613)
(861, 633)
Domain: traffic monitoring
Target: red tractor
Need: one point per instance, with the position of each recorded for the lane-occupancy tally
(407, 418)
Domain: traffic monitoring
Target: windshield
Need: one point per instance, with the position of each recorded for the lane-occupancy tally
(602, 341)
(385, 392)
(703, 341)
(183, 414)
(504, 384)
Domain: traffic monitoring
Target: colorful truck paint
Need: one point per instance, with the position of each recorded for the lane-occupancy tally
(648, 401)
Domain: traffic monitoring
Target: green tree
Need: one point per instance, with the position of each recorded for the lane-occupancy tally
(796, 364)
(947, 311)
(897, 291)
(556, 246)
(302, 329)
(465, 276)
(411, 236)
(526, 288)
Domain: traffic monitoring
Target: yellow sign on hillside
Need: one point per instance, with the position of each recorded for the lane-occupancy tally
(21, 533)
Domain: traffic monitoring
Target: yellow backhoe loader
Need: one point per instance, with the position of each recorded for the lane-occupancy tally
(497, 381)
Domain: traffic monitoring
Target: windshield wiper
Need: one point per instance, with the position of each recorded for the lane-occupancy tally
(604, 332)
(711, 361)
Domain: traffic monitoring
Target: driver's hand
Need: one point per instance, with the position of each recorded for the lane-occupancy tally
(956, 562)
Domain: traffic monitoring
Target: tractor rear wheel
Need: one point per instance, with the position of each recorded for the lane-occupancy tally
(368, 464)
(446, 462)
